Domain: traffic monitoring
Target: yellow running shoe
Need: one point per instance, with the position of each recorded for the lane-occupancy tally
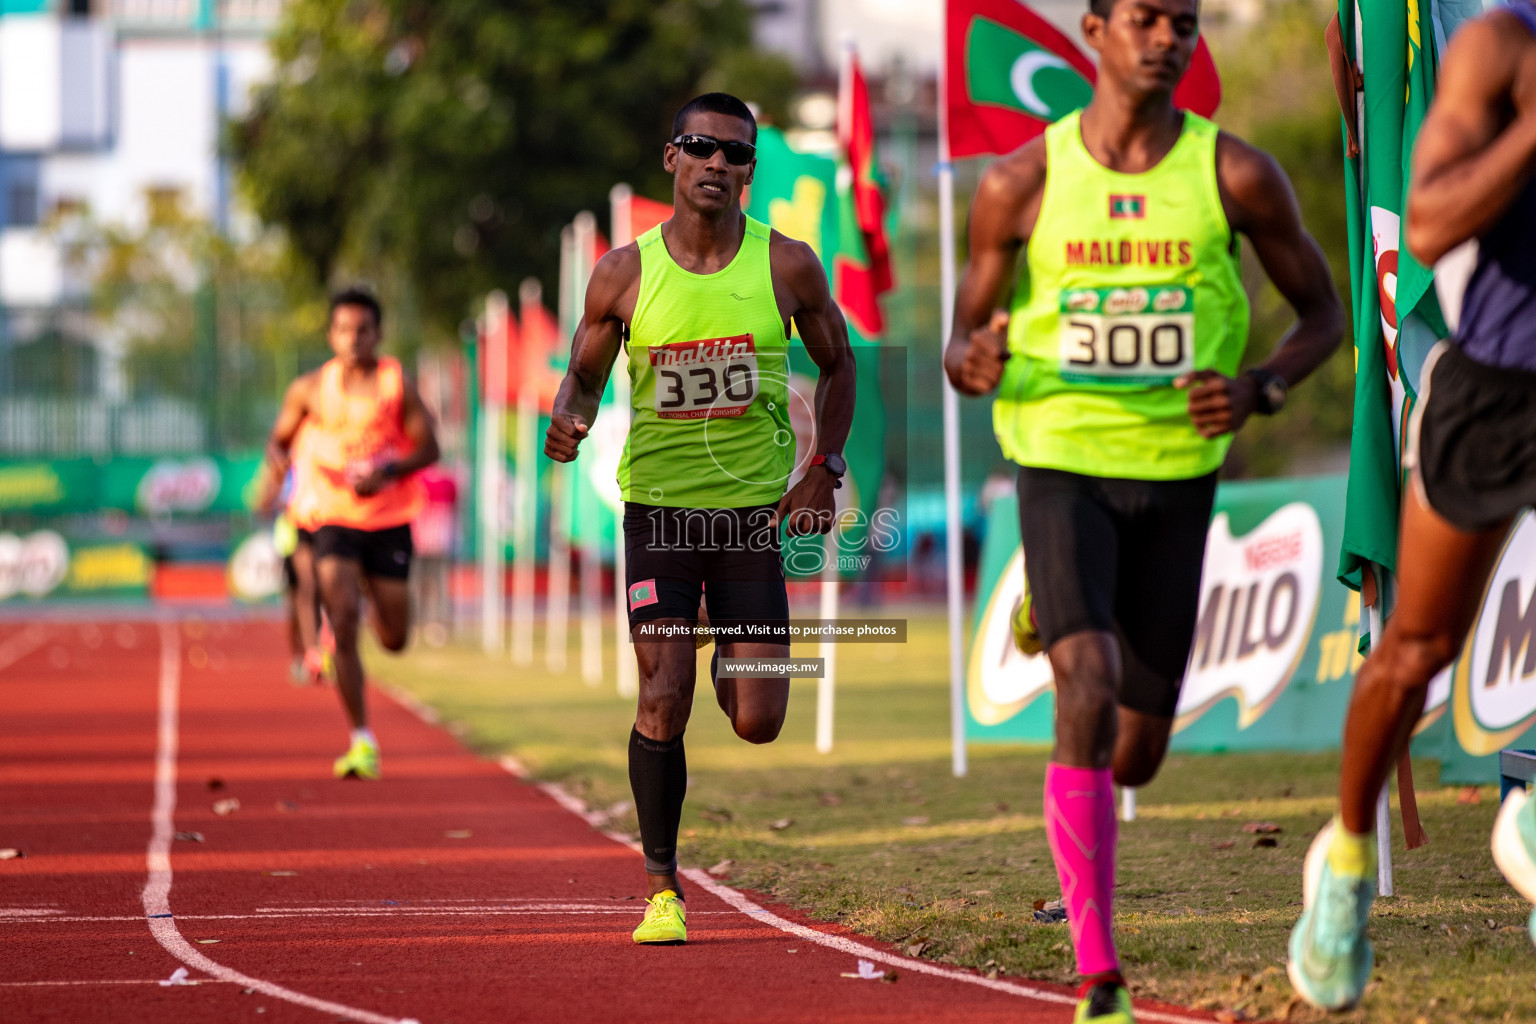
(1104, 1003)
(360, 762)
(666, 922)
(1026, 635)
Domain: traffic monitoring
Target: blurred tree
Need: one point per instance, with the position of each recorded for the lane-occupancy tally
(224, 324)
(438, 147)
(1278, 94)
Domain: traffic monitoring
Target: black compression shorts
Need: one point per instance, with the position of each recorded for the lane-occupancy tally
(385, 553)
(1473, 439)
(1119, 556)
(728, 555)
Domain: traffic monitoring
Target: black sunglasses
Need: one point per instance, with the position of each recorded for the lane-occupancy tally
(702, 147)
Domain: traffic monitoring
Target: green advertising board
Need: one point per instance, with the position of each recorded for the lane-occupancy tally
(1275, 651)
(136, 485)
(42, 565)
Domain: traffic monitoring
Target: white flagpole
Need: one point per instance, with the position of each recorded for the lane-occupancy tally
(1376, 616)
(954, 562)
(493, 476)
(526, 525)
(627, 672)
(826, 685)
(562, 497)
(583, 239)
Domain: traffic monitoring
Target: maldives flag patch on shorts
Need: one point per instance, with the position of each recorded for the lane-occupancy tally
(642, 594)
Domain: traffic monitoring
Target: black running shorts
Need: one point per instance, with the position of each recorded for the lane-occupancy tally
(385, 553)
(1472, 439)
(728, 555)
(1119, 556)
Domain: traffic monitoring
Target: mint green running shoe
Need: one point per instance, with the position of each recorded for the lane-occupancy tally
(1514, 846)
(1331, 957)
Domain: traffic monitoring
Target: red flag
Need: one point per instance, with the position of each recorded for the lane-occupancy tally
(856, 134)
(1009, 73)
(499, 345)
(539, 338)
(645, 214)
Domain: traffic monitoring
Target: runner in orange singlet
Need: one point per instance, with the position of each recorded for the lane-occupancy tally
(367, 434)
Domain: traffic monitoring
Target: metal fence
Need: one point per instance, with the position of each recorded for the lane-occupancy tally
(59, 427)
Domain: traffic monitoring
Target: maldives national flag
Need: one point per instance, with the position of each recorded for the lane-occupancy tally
(860, 285)
(1009, 73)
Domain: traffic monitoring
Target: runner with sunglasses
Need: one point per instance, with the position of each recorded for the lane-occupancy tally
(1115, 366)
(701, 307)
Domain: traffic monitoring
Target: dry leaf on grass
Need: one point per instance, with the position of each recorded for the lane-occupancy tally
(1262, 828)
(722, 869)
(782, 824)
(1225, 844)
(916, 819)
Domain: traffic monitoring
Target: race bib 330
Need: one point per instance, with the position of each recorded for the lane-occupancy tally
(703, 379)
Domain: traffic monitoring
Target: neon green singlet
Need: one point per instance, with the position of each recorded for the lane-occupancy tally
(709, 382)
(1129, 280)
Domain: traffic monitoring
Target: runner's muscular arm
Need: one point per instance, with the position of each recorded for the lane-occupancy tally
(801, 280)
(290, 416)
(1260, 203)
(1007, 199)
(595, 346)
(1471, 160)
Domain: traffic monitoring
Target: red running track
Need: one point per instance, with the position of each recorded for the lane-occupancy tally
(450, 893)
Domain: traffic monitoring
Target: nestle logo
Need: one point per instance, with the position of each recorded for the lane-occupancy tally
(1273, 551)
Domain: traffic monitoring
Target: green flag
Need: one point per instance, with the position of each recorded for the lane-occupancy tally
(804, 196)
(1396, 315)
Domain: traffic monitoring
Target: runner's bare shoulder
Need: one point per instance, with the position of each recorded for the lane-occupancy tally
(1011, 187)
(1250, 181)
(615, 285)
(790, 255)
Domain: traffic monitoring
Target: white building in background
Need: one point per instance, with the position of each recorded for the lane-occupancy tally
(105, 106)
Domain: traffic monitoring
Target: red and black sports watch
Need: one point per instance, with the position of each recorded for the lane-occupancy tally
(834, 464)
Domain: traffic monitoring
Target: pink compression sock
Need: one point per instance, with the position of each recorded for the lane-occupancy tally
(1080, 825)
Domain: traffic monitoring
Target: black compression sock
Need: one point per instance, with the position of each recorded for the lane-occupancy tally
(658, 777)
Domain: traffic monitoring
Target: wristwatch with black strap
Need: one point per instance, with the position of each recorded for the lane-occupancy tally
(1272, 389)
(833, 463)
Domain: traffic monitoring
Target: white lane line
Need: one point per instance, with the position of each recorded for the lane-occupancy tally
(157, 890)
(351, 913)
(838, 942)
(23, 643)
(105, 981)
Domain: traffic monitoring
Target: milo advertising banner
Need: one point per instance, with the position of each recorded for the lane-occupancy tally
(1274, 649)
(1276, 641)
(142, 486)
(1488, 703)
(43, 565)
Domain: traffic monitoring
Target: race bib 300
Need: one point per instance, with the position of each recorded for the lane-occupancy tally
(1137, 336)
